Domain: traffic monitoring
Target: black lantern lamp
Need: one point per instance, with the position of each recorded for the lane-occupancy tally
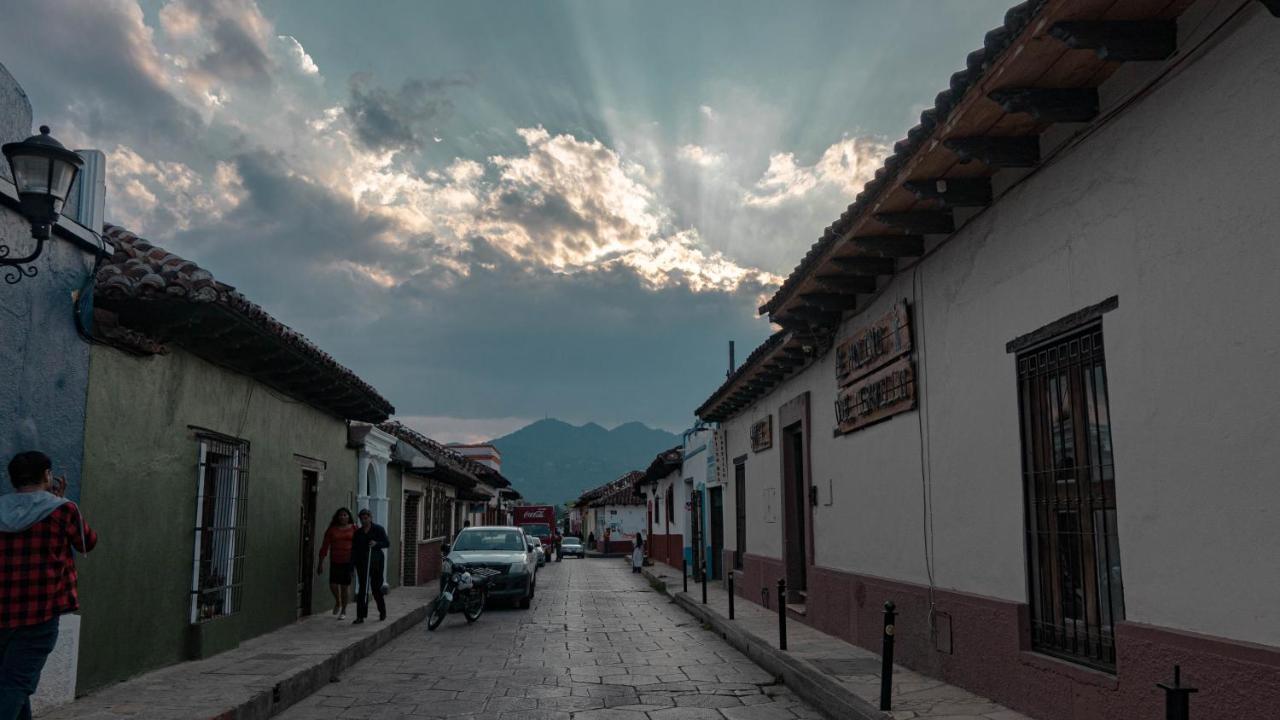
(43, 171)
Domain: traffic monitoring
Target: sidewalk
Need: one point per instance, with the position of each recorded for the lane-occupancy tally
(261, 677)
(842, 680)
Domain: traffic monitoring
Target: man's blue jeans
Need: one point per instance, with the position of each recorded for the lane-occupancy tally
(22, 654)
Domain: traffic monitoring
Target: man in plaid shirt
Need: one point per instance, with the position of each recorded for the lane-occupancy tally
(38, 531)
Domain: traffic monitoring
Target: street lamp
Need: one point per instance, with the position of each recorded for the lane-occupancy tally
(43, 171)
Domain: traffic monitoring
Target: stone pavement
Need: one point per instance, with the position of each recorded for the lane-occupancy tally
(826, 665)
(598, 644)
(257, 679)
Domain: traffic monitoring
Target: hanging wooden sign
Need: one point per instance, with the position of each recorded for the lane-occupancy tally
(878, 396)
(874, 345)
(762, 434)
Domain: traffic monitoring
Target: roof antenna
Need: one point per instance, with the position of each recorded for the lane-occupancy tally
(730, 373)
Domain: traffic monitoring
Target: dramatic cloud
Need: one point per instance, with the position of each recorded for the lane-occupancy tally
(401, 120)
(557, 271)
(845, 167)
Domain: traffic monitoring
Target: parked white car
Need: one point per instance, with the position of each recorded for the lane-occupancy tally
(541, 551)
(505, 549)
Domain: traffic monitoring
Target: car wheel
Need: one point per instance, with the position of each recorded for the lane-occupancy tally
(527, 599)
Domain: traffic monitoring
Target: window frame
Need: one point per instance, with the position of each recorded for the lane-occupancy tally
(220, 524)
(1075, 586)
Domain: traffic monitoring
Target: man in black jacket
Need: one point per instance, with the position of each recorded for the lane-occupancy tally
(369, 563)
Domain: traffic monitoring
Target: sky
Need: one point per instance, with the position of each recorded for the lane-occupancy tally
(495, 212)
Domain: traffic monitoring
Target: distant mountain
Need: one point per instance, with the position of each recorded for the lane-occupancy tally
(551, 461)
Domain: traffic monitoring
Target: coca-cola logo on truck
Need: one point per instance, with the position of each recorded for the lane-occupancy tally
(533, 513)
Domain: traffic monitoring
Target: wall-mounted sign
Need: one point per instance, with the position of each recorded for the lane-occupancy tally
(719, 457)
(880, 395)
(762, 434)
(874, 345)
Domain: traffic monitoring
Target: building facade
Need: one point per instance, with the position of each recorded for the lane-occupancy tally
(996, 402)
(193, 421)
(44, 358)
(666, 497)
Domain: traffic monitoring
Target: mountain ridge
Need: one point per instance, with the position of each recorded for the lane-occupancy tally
(551, 461)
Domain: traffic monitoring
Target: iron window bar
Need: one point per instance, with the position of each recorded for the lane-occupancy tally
(1075, 584)
(221, 508)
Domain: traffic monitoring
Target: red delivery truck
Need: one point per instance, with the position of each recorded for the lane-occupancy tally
(540, 522)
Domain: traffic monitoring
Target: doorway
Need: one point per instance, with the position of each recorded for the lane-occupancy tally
(306, 539)
(739, 511)
(717, 534)
(696, 549)
(797, 513)
(409, 539)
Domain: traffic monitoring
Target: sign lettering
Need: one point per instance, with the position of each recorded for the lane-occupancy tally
(762, 434)
(880, 395)
(872, 346)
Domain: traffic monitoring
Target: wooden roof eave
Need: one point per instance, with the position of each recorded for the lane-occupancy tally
(1037, 58)
(767, 372)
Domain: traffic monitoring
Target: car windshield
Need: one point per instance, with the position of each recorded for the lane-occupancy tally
(571, 541)
(498, 540)
(537, 529)
(535, 541)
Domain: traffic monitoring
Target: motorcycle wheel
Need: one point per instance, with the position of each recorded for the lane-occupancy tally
(476, 607)
(438, 611)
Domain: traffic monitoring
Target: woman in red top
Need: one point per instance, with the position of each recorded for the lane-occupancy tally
(338, 539)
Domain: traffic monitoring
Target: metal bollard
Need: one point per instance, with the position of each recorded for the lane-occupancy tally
(704, 582)
(684, 572)
(1177, 699)
(886, 658)
(782, 613)
(730, 594)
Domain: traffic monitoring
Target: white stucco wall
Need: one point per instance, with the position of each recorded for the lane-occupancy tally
(1171, 207)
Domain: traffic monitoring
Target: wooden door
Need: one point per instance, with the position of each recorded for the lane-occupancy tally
(409, 539)
(306, 540)
(717, 534)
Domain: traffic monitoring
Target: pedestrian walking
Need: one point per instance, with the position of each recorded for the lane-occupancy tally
(608, 535)
(637, 553)
(368, 542)
(337, 541)
(591, 539)
(39, 529)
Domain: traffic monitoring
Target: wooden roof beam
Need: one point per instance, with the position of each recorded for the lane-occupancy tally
(997, 152)
(830, 301)
(845, 285)
(1051, 105)
(889, 246)
(861, 266)
(1120, 41)
(920, 222)
(953, 192)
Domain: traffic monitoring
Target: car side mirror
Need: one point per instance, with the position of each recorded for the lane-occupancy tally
(445, 548)
(530, 546)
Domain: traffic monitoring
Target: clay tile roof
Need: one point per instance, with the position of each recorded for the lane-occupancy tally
(976, 64)
(761, 350)
(615, 492)
(445, 457)
(141, 276)
(664, 464)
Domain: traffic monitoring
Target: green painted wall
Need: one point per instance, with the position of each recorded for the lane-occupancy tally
(139, 489)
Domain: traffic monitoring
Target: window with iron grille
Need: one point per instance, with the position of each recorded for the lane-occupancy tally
(221, 501)
(440, 511)
(1076, 591)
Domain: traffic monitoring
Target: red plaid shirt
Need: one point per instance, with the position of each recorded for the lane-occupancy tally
(38, 570)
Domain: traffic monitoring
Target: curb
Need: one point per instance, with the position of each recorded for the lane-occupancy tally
(306, 681)
(807, 681)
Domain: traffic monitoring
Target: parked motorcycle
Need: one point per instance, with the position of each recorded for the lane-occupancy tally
(465, 590)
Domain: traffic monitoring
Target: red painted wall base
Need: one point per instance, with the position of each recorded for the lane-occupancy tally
(987, 650)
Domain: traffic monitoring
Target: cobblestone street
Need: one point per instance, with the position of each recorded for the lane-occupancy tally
(597, 643)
